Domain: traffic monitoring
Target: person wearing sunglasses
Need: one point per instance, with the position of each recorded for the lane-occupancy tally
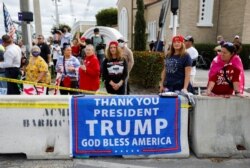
(226, 74)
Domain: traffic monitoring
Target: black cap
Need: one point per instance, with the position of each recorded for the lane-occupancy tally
(121, 40)
(96, 30)
(189, 38)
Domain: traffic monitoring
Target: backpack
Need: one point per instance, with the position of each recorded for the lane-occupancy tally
(101, 45)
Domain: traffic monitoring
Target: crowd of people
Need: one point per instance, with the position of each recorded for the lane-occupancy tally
(226, 74)
(81, 63)
(84, 63)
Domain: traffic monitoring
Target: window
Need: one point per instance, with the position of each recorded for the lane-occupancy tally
(206, 13)
(152, 31)
(123, 23)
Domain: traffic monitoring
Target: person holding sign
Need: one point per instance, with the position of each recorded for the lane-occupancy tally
(176, 72)
(115, 70)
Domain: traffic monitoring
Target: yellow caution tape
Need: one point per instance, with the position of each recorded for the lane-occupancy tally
(185, 106)
(43, 105)
(49, 105)
(52, 86)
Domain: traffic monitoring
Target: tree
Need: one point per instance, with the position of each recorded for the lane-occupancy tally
(140, 27)
(107, 17)
(61, 26)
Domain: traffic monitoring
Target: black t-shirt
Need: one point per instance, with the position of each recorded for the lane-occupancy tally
(114, 70)
(45, 51)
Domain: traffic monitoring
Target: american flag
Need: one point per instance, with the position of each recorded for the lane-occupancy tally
(9, 25)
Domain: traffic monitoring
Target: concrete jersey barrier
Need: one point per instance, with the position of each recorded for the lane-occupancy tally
(185, 153)
(220, 127)
(38, 126)
(35, 125)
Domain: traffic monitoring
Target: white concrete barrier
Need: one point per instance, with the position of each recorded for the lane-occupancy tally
(35, 125)
(220, 127)
(38, 126)
(183, 137)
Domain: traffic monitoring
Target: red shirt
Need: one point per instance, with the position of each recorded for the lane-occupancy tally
(221, 86)
(75, 50)
(90, 79)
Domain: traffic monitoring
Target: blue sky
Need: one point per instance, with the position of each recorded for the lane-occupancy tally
(69, 11)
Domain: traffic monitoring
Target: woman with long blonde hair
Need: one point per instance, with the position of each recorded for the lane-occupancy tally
(175, 75)
(115, 70)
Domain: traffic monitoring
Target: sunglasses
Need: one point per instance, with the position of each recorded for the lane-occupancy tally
(228, 44)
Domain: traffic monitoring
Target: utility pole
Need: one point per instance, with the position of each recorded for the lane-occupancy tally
(162, 21)
(57, 14)
(26, 33)
(174, 8)
(37, 14)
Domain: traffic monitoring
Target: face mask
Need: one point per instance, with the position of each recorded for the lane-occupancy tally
(121, 45)
(218, 42)
(35, 53)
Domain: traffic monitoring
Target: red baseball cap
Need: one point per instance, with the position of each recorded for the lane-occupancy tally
(82, 38)
(178, 38)
(113, 42)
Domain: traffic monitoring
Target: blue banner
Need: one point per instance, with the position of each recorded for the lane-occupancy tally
(125, 125)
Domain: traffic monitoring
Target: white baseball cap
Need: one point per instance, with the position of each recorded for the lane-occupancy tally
(237, 37)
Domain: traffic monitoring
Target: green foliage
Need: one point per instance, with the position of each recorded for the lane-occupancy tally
(107, 17)
(140, 27)
(61, 26)
(207, 50)
(147, 68)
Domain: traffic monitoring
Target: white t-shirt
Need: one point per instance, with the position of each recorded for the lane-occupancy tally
(12, 57)
(194, 55)
(56, 51)
(66, 38)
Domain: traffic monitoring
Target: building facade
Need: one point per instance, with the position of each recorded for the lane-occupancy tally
(203, 19)
(82, 26)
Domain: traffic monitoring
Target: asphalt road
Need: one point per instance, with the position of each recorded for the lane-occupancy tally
(19, 161)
